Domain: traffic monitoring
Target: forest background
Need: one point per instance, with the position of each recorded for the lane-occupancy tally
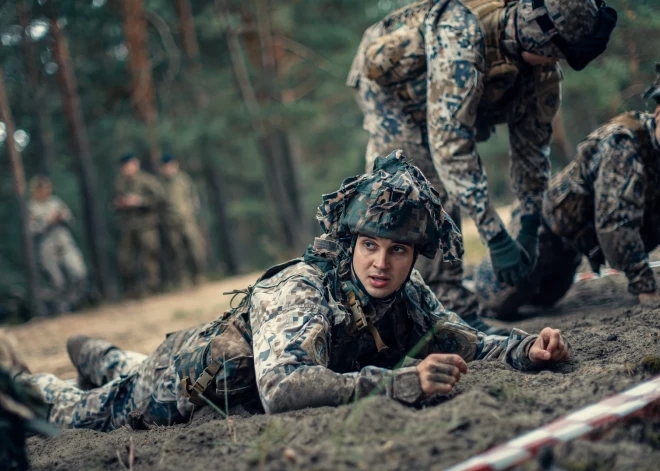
(249, 95)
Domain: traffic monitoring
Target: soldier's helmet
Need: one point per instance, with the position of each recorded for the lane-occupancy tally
(653, 92)
(575, 30)
(395, 202)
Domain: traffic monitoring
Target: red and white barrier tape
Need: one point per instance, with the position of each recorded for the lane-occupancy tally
(562, 430)
(588, 275)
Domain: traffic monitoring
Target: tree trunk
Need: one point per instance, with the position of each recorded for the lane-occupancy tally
(94, 222)
(281, 177)
(44, 131)
(144, 96)
(16, 165)
(225, 242)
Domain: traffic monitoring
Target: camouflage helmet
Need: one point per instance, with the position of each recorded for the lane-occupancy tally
(575, 30)
(653, 92)
(395, 202)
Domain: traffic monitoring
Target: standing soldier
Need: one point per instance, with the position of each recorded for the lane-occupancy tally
(605, 205)
(138, 200)
(435, 77)
(180, 220)
(49, 225)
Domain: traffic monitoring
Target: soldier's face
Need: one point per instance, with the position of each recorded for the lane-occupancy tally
(169, 169)
(42, 192)
(130, 168)
(382, 265)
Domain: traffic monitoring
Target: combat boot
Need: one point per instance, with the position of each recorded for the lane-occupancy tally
(476, 321)
(73, 347)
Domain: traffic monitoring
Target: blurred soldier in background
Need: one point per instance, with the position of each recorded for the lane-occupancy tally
(605, 205)
(138, 199)
(180, 221)
(434, 78)
(58, 254)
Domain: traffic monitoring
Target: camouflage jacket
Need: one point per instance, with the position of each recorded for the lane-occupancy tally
(181, 200)
(441, 84)
(610, 194)
(39, 213)
(307, 352)
(149, 189)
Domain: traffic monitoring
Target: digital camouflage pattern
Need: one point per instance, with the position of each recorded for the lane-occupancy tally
(308, 353)
(395, 201)
(573, 20)
(432, 80)
(181, 225)
(151, 385)
(139, 241)
(58, 253)
(295, 334)
(605, 205)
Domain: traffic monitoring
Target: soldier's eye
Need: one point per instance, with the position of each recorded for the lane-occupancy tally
(369, 245)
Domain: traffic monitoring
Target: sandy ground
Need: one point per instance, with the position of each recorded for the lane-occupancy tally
(615, 344)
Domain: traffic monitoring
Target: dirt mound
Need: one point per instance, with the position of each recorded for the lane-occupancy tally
(615, 344)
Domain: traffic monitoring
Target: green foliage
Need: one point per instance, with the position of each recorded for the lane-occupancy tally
(315, 44)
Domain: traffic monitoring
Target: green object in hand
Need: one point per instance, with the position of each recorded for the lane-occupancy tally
(510, 261)
(529, 237)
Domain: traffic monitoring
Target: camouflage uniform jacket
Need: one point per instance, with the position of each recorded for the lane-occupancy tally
(149, 189)
(610, 194)
(440, 84)
(308, 354)
(181, 200)
(39, 212)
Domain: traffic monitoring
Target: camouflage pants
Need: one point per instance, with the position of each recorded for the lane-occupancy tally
(139, 246)
(547, 284)
(186, 244)
(66, 270)
(127, 381)
(444, 278)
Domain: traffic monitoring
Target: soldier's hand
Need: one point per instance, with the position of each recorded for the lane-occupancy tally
(510, 262)
(439, 372)
(549, 346)
(132, 200)
(648, 298)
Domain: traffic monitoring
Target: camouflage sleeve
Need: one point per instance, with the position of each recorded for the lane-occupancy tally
(454, 89)
(530, 133)
(619, 204)
(62, 208)
(512, 350)
(291, 328)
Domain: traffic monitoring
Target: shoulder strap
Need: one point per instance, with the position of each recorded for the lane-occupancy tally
(491, 16)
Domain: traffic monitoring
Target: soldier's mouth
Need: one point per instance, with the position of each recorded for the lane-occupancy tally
(379, 281)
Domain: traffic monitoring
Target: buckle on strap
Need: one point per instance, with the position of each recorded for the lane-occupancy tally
(193, 390)
(358, 315)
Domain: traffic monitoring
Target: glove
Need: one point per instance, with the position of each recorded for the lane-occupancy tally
(510, 261)
(529, 237)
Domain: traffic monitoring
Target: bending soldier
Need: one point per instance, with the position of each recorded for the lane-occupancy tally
(180, 221)
(605, 205)
(138, 199)
(435, 77)
(349, 319)
(49, 225)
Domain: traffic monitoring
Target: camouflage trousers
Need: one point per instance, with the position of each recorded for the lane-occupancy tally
(138, 253)
(547, 283)
(126, 381)
(186, 244)
(65, 268)
(444, 278)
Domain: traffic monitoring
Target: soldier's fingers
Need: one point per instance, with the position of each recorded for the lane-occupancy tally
(553, 341)
(442, 379)
(451, 359)
(444, 369)
(437, 388)
(538, 354)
